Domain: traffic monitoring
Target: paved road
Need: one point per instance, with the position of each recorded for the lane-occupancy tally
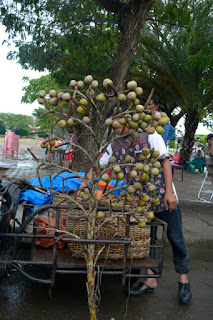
(21, 299)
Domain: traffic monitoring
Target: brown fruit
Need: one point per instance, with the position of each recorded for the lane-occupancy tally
(66, 96)
(131, 95)
(150, 129)
(142, 224)
(52, 142)
(139, 108)
(121, 97)
(94, 84)
(139, 166)
(120, 176)
(127, 158)
(150, 215)
(136, 135)
(154, 171)
(137, 185)
(139, 209)
(107, 82)
(145, 151)
(133, 174)
(142, 157)
(86, 120)
(143, 125)
(151, 187)
(155, 201)
(80, 84)
(116, 168)
(41, 93)
(112, 159)
(163, 121)
(136, 117)
(73, 83)
(139, 91)
(130, 198)
(115, 124)
(105, 177)
(155, 154)
(123, 193)
(52, 93)
(62, 123)
(122, 121)
(108, 122)
(136, 102)
(70, 122)
(131, 190)
(157, 164)
(88, 78)
(132, 85)
(59, 95)
(44, 145)
(81, 110)
(160, 129)
(53, 101)
(84, 102)
(147, 118)
(100, 97)
(100, 214)
(41, 100)
(156, 115)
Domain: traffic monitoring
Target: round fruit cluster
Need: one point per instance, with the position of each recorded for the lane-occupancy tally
(75, 107)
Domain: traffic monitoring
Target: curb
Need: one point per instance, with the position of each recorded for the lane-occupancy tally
(196, 206)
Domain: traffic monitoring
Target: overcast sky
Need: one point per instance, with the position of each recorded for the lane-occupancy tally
(11, 85)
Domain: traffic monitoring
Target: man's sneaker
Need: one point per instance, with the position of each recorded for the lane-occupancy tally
(184, 292)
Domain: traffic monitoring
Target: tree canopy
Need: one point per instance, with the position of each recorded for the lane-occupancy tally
(75, 38)
(17, 123)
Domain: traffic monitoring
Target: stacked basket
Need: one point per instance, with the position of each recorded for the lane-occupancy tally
(114, 228)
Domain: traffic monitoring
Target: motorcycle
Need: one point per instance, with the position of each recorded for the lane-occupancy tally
(9, 202)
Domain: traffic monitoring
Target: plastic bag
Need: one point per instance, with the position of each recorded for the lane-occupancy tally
(49, 223)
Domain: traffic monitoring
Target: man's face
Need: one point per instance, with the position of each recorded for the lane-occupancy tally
(152, 106)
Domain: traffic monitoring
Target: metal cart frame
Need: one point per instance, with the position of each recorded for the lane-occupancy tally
(22, 253)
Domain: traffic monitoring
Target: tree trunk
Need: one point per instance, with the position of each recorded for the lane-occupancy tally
(134, 19)
(191, 124)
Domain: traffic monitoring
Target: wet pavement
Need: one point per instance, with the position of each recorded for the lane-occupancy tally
(22, 299)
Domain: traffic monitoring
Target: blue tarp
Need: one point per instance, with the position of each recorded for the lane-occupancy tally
(39, 199)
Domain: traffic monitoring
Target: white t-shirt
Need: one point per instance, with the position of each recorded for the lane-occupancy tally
(155, 140)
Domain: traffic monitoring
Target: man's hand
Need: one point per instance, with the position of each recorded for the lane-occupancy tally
(170, 201)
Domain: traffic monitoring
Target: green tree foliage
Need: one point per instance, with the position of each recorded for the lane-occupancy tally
(2, 127)
(177, 63)
(17, 123)
(76, 37)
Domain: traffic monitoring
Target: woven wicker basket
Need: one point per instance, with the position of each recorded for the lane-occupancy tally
(77, 224)
(61, 199)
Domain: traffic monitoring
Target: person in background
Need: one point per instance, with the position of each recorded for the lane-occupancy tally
(208, 150)
(198, 154)
(169, 130)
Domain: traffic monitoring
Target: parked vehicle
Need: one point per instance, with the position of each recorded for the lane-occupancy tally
(19, 250)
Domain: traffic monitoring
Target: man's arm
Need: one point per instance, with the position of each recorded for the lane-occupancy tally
(210, 142)
(83, 184)
(169, 199)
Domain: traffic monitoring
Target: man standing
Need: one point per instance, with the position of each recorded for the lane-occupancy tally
(169, 130)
